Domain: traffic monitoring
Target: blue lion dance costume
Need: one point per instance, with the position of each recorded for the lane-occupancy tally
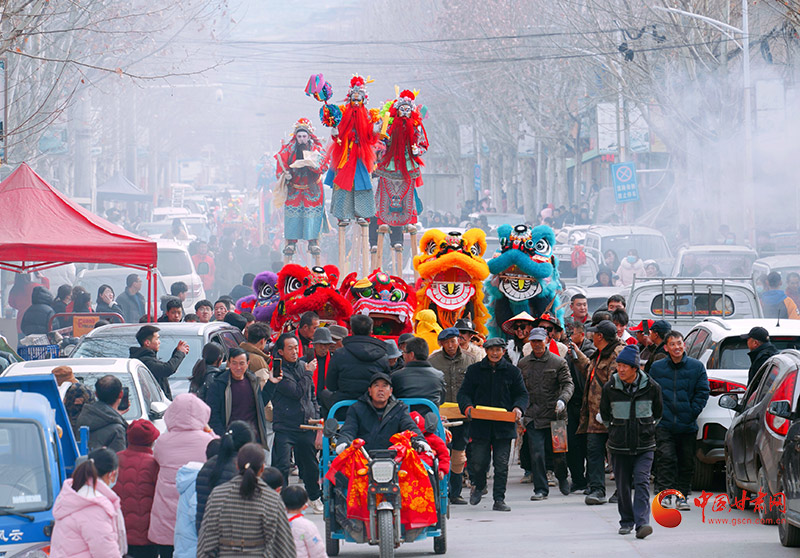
(524, 276)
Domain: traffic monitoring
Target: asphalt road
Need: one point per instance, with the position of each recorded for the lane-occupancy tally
(565, 526)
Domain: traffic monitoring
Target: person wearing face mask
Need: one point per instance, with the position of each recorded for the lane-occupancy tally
(87, 512)
(631, 266)
(300, 168)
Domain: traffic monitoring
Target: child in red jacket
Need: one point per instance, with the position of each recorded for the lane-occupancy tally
(438, 446)
(136, 485)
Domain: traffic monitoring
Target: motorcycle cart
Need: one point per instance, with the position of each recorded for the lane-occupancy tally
(385, 528)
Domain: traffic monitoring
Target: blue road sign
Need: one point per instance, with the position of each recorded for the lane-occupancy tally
(626, 188)
(477, 177)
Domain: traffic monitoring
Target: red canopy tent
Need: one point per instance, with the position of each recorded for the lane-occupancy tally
(41, 228)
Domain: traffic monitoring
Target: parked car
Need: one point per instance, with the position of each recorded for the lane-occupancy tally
(114, 340)
(684, 302)
(147, 400)
(785, 264)
(754, 442)
(718, 344)
(157, 229)
(175, 264)
(649, 243)
(789, 476)
(714, 261)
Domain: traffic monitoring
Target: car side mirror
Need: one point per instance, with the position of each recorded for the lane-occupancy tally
(330, 428)
(781, 409)
(157, 410)
(729, 401)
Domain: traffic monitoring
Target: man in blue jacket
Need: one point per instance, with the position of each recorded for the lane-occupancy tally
(684, 386)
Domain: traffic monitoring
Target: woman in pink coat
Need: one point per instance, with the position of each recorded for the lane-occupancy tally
(89, 522)
(186, 439)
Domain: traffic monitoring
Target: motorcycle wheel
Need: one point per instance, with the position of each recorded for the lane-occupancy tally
(440, 543)
(385, 533)
(331, 544)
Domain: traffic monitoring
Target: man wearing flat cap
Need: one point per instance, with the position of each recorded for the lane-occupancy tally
(453, 363)
(492, 382)
(760, 350)
(549, 384)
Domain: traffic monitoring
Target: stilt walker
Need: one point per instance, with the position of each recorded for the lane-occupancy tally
(351, 159)
(299, 171)
(398, 171)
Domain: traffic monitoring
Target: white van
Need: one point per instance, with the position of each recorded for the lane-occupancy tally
(175, 264)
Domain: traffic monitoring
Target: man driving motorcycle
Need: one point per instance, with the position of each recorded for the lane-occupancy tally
(376, 417)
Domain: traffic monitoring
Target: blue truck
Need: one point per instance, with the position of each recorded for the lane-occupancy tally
(37, 453)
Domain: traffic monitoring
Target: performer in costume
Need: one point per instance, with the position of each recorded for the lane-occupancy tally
(399, 172)
(300, 166)
(352, 157)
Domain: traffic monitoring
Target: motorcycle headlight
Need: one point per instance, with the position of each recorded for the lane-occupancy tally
(383, 471)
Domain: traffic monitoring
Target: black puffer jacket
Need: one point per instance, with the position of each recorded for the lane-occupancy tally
(160, 369)
(364, 422)
(758, 357)
(500, 386)
(419, 379)
(36, 319)
(107, 428)
(203, 484)
(352, 366)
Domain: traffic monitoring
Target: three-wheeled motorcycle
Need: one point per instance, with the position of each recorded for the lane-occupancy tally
(383, 495)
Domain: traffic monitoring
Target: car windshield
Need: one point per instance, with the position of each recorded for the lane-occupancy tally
(649, 246)
(701, 304)
(733, 351)
(116, 345)
(174, 262)
(716, 264)
(161, 227)
(89, 379)
(25, 483)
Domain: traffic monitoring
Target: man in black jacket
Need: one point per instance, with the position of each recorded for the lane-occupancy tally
(107, 428)
(351, 368)
(492, 382)
(293, 404)
(376, 417)
(760, 350)
(147, 352)
(631, 406)
(658, 334)
(418, 378)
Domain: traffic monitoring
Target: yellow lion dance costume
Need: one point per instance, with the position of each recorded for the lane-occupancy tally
(452, 269)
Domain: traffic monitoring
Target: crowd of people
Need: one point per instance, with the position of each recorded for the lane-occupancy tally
(626, 398)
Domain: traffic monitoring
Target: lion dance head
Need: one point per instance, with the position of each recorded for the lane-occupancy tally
(302, 289)
(451, 268)
(387, 299)
(264, 299)
(524, 274)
